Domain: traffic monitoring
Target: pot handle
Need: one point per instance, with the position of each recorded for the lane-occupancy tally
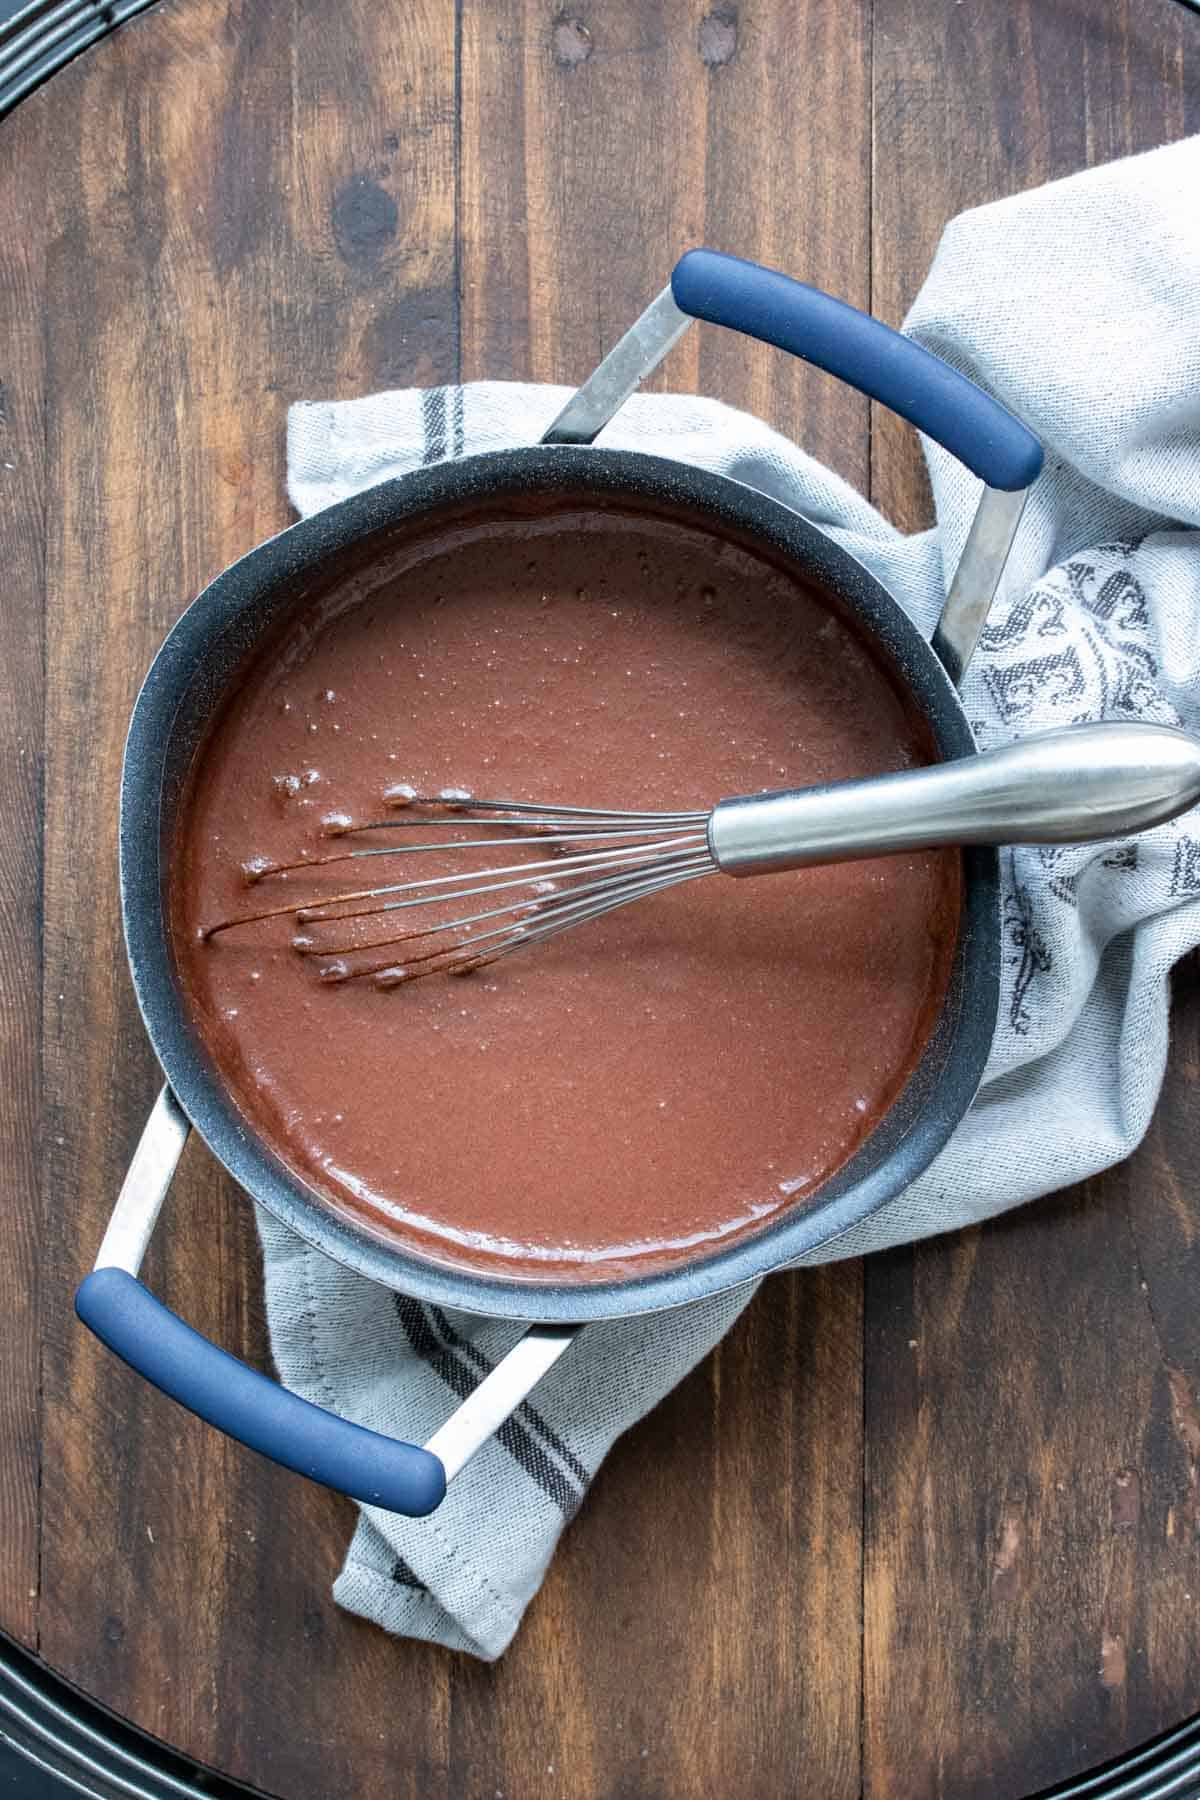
(873, 358)
(869, 355)
(380, 1471)
(245, 1405)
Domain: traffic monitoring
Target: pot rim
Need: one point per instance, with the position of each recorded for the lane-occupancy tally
(905, 1141)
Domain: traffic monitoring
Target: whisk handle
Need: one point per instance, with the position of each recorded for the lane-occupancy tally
(1077, 785)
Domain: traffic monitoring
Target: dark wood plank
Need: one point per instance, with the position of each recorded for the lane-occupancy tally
(251, 204)
(1030, 1534)
(598, 143)
(787, 183)
(1027, 1541)
(1160, 1189)
(22, 478)
(698, 1632)
(161, 463)
(971, 103)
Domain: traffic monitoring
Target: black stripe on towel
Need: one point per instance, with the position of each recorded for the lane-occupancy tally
(512, 1435)
(526, 1412)
(433, 424)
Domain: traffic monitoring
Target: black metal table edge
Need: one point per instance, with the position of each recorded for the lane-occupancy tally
(45, 35)
(78, 1745)
(82, 1748)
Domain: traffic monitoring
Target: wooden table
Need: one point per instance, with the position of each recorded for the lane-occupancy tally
(968, 1559)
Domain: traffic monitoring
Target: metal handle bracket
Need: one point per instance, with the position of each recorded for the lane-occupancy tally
(977, 578)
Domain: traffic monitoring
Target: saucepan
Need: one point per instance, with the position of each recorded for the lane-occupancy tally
(203, 655)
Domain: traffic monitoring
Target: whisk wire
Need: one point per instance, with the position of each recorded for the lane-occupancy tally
(550, 814)
(520, 874)
(476, 953)
(603, 859)
(604, 885)
(581, 836)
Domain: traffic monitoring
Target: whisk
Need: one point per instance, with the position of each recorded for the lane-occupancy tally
(1078, 784)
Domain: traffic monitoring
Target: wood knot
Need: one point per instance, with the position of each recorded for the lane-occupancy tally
(1112, 1660)
(572, 41)
(1185, 1414)
(365, 220)
(717, 40)
(1006, 1574)
(1126, 1501)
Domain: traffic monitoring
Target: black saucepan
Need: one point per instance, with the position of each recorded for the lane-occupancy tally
(210, 644)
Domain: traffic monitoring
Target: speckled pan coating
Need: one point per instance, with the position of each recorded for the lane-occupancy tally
(186, 683)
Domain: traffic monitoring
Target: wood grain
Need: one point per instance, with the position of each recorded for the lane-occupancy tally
(968, 107)
(256, 206)
(153, 455)
(929, 1530)
(574, 207)
(670, 1631)
(1023, 1605)
(599, 143)
(22, 482)
(1028, 1543)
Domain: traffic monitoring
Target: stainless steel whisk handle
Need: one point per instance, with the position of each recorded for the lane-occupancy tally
(1072, 786)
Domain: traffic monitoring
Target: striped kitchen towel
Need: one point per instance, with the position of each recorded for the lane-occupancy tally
(1079, 306)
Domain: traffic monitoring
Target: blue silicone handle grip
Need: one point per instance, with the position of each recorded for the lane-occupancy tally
(400, 1478)
(869, 355)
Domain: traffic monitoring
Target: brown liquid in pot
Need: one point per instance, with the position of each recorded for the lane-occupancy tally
(655, 1084)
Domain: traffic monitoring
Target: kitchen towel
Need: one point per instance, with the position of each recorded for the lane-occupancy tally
(1078, 305)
